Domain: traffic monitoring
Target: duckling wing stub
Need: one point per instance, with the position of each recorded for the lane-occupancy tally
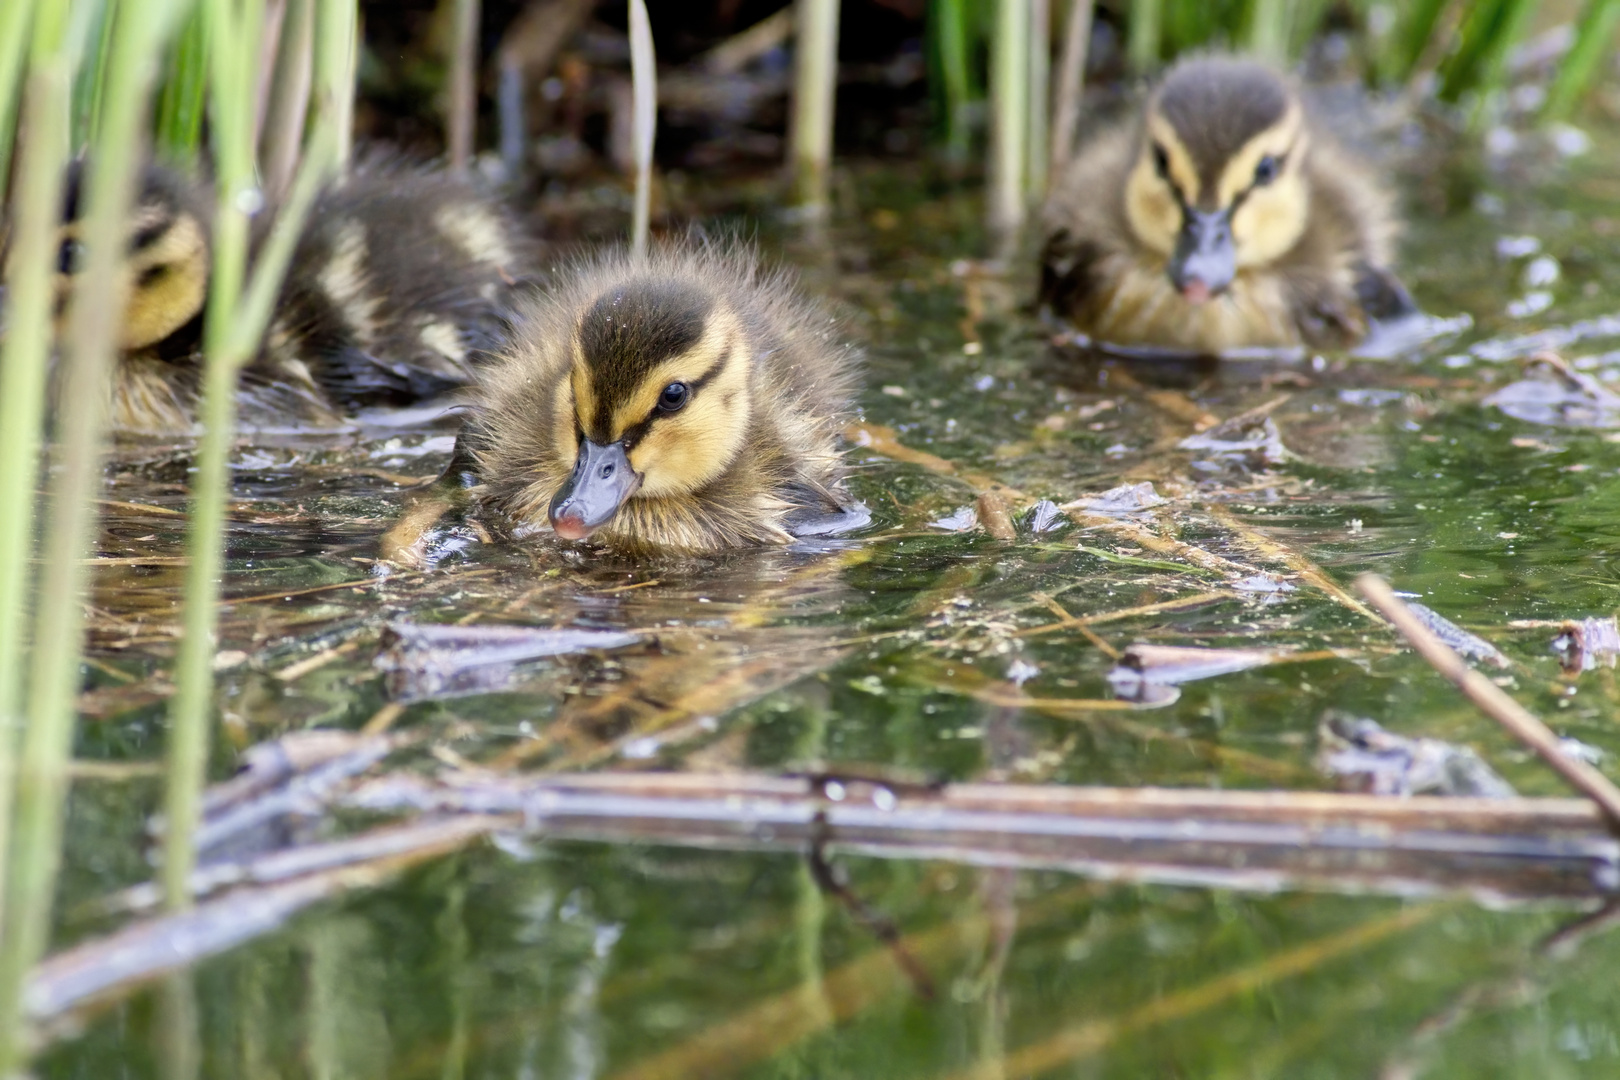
(1382, 295)
(1069, 275)
(351, 374)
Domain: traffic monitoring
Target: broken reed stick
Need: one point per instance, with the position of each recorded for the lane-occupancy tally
(1491, 699)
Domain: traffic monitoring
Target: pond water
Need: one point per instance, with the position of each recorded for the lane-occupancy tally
(535, 958)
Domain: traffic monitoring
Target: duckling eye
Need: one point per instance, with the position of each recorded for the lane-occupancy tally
(1161, 161)
(1266, 171)
(70, 258)
(673, 399)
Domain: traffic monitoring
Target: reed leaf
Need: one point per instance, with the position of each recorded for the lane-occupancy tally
(950, 28)
(90, 81)
(142, 28)
(1144, 34)
(644, 78)
(1071, 85)
(336, 51)
(1593, 38)
(1037, 127)
(178, 135)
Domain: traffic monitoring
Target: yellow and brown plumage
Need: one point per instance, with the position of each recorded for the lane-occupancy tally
(687, 402)
(401, 278)
(1221, 217)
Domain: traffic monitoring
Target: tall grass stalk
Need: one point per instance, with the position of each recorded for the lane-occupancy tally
(1037, 130)
(143, 26)
(24, 358)
(644, 92)
(235, 26)
(1144, 34)
(815, 90)
(1071, 86)
(948, 30)
(15, 17)
(1009, 120)
(462, 105)
(90, 83)
(1593, 39)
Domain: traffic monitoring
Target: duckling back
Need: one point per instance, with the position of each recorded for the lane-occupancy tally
(1222, 216)
(402, 279)
(685, 402)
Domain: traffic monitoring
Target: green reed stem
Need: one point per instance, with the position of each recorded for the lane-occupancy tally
(1268, 29)
(644, 93)
(1592, 40)
(235, 26)
(948, 34)
(59, 613)
(180, 103)
(90, 84)
(463, 98)
(336, 49)
(1145, 34)
(24, 358)
(815, 91)
(1009, 119)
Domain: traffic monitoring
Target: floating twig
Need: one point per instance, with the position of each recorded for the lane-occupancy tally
(1491, 699)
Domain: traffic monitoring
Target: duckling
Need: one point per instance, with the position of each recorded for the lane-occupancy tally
(401, 279)
(687, 402)
(1222, 217)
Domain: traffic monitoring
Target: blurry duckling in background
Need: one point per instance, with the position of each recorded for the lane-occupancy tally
(402, 278)
(1220, 218)
(687, 402)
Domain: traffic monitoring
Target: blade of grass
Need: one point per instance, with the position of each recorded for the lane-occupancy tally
(143, 26)
(1592, 43)
(463, 98)
(644, 79)
(815, 90)
(1268, 29)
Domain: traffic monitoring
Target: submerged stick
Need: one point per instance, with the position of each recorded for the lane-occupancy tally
(1491, 699)
(644, 92)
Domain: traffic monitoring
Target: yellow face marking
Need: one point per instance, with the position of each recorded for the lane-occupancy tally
(1151, 206)
(679, 452)
(1272, 216)
(168, 284)
(1268, 221)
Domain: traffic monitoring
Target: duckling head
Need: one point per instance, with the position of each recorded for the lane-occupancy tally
(1219, 184)
(168, 260)
(659, 394)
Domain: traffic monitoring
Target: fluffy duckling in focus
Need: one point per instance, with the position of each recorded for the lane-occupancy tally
(1220, 218)
(401, 280)
(687, 402)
